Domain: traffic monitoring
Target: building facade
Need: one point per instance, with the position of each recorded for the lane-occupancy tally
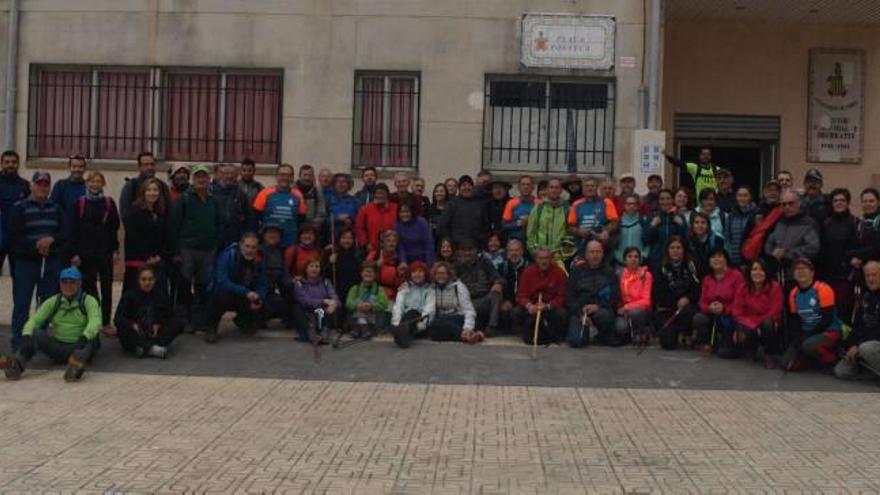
(437, 87)
(432, 86)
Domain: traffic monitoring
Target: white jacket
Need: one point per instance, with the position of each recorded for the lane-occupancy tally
(454, 299)
(414, 297)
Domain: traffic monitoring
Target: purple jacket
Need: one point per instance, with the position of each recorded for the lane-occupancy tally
(310, 295)
(416, 241)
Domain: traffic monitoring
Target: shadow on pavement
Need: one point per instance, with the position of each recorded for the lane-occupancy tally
(278, 356)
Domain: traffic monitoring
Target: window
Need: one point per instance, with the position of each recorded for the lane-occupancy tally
(178, 114)
(386, 120)
(548, 125)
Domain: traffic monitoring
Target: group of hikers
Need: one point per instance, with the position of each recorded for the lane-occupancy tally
(790, 279)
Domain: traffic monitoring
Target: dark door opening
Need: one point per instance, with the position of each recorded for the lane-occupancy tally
(751, 162)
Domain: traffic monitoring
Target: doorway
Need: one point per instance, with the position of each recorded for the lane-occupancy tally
(751, 162)
(746, 144)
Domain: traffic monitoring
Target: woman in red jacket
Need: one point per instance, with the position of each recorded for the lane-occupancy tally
(635, 298)
(757, 311)
(717, 299)
(375, 218)
(392, 273)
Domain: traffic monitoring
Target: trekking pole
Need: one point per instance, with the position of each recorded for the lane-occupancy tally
(714, 331)
(333, 264)
(537, 324)
(784, 332)
(316, 339)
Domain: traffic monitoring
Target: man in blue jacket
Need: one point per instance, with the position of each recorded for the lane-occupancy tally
(67, 191)
(36, 229)
(238, 284)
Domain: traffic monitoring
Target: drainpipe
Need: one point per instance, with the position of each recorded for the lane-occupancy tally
(654, 81)
(11, 74)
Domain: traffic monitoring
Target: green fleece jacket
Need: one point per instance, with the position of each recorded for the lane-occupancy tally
(194, 223)
(372, 293)
(69, 323)
(546, 226)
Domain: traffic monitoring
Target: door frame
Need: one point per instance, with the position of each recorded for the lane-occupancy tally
(769, 153)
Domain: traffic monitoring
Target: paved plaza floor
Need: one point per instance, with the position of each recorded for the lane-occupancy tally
(259, 415)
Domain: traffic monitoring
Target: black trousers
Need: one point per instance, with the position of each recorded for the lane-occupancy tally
(59, 352)
(670, 327)
(552, 328)
(220, 302)
(131, 339)
(95, 270)
(413, 326)
(446, 328)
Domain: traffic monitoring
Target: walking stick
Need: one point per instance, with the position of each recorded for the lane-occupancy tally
(333, 264)
(537, 324)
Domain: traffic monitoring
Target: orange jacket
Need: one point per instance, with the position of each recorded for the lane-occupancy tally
(371, 220)
(635, 289)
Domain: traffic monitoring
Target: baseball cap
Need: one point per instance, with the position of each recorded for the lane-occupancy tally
(201, 168)
(178, 168)
(41, 177)
(627, 176)
(813, 174)
(70, 273)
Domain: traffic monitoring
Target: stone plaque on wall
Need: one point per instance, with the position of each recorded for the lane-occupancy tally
(836, 106)
(563, 41)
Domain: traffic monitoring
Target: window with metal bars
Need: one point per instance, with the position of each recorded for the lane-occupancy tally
(179, 114)
(386, 120)
(548, 125)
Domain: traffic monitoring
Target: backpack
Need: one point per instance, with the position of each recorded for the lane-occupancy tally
(753, 246)
(81, 208)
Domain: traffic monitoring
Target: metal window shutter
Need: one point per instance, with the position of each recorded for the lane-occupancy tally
(726, 127)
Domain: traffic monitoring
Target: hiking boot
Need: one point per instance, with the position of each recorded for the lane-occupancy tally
(11, 367)
(402, 336)
(211, 337)
(470, 337)
(157, 351)
(75, 369)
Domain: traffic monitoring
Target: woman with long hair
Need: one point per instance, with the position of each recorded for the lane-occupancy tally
(757, 311)
(416, 239)
(703, 241)
(146, 235)
(717, 298)
(439, 199)
(144, 319)
(675, 293)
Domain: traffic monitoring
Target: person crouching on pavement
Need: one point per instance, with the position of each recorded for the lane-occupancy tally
(863, 344)
(367, 304)
(280, 300)
(634, 314)
(541, 289)
(317, 303)
(455, 316)
(65, 327)
(592, 296)
(144, 320)
(414, 305)
(757, 310)
(484, 284)
(238, 283)
(815, 329)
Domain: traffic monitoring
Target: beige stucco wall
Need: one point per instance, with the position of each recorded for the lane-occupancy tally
(319, 44)
(761, 69)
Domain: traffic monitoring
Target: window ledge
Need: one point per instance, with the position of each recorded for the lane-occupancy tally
(109, 165)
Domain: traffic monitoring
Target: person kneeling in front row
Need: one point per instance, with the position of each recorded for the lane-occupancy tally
(238, 284)
(541, 289)
(593, 294)
(413, 307)
(863, 345)
(455, 316)
(65, 328)
(144, 320)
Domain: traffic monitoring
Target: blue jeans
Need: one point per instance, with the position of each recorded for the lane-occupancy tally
(27, 278)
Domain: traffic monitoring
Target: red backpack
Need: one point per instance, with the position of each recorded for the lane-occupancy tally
(754, 245)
